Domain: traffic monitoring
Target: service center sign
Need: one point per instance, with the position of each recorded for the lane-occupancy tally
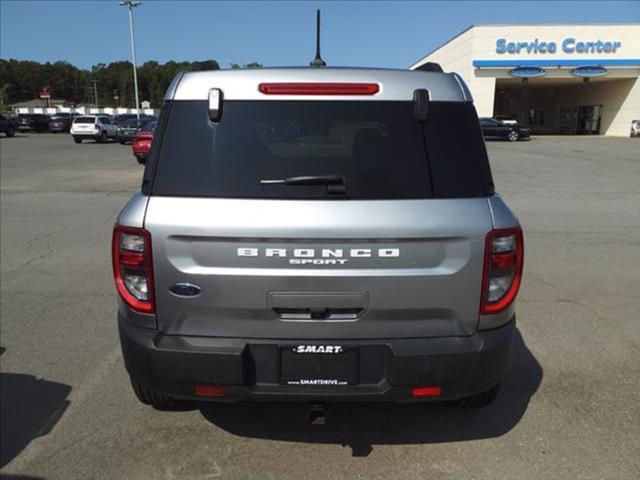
(568, 45)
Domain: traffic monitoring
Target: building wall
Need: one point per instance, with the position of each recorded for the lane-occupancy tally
(621, 98)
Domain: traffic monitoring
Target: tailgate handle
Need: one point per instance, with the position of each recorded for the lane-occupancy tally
(318, 313)
(318, 305)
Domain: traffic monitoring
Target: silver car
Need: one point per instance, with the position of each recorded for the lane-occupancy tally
(317, 234)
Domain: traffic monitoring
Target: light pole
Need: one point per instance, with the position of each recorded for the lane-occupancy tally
(131, 4)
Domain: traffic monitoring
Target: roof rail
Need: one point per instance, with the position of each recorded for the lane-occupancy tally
(430, 67)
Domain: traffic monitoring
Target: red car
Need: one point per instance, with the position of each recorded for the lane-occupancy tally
(141, 143)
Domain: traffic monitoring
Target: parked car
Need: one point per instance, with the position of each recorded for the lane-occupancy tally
(506, 119)
(128, 129)
(119, 120)
(495, 129)
(141, 144)
(275, 253)
(35, 122)
(8, 125)
(635, 128)
(92, 127)
(60, 122)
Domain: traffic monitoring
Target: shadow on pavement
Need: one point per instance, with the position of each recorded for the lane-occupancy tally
(361, 426)
(8, 476)
(29, 408)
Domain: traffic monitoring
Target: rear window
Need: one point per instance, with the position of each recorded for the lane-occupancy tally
(378, 147)
(84, 120)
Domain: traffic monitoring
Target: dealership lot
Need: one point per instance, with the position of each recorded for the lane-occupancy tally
(569, 405)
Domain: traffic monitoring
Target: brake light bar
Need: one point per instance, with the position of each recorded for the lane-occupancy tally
(133, 267)
(319, 88)
(502, 273)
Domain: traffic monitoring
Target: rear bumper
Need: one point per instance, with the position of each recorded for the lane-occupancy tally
(85, 135)
(248, 368)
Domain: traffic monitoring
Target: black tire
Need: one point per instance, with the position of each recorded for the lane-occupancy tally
(480, 400)
(513, 136)
(122, 142)
(11, 131)
(77, 140)
(149, 397)
(102, 137)
(140, 160)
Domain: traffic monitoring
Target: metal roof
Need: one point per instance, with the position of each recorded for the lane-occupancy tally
(242, 84)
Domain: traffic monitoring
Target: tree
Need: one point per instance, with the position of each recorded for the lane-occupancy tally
(21, 80)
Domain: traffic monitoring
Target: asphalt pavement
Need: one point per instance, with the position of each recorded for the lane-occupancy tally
(569, 407)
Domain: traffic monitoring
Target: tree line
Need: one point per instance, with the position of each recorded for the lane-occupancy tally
(22, 80)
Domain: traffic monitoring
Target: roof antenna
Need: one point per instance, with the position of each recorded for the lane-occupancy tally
(318, 62)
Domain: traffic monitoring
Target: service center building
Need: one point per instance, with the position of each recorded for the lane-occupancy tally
(556, 79)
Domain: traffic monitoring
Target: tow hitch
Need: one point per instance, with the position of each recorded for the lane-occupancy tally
(317, 415)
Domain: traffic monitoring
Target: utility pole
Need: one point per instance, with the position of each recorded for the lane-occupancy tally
(131, 4)
(95, 92)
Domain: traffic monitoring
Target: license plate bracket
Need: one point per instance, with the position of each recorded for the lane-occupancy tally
(318, 366)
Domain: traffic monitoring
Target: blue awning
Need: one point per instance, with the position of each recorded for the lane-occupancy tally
(602, 62)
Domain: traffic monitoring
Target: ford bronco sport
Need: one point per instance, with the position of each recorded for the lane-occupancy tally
(317, 235)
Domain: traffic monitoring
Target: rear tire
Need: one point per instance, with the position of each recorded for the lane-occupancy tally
(77, 140)
(11, 131)
(149, 397)
(513, 136)
(480, 400)
(141, 160)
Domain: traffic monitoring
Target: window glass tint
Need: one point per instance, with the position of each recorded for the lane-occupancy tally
(454, 151)
(84, 120)
(378, 147)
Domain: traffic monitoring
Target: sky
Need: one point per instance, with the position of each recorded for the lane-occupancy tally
(365, 33)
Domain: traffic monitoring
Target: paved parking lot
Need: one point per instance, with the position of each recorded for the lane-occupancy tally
(569, 406)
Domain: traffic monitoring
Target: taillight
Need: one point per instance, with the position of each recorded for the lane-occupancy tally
(96, 126)
(503, 257)
(132, 267)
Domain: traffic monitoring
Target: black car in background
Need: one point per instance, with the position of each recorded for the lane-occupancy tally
(35, 122)
(124, 117)
(128, 129)
(61, 122)
(8, 125)
(496, 129)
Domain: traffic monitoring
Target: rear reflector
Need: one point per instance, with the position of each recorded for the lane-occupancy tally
(319, 88)
(426, 391)
(209, 390)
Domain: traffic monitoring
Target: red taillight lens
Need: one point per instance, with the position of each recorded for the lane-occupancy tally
(133, 267)
(319, 88)
(503, 259)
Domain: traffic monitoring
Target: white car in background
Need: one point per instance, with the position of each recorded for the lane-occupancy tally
(93, 127)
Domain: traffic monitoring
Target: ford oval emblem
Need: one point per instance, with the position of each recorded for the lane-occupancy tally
(589, 71)
(527, 72)
(185, 290)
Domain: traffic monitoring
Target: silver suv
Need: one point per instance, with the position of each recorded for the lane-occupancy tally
(317, 234)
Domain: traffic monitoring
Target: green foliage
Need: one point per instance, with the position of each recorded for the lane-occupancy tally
(235, 66)
(22, 80)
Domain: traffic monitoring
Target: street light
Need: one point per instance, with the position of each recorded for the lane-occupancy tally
(131, 4)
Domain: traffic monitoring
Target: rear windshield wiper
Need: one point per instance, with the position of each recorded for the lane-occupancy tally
(335, 183)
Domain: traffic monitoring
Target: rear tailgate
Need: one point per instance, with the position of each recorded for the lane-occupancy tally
(318, 269)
